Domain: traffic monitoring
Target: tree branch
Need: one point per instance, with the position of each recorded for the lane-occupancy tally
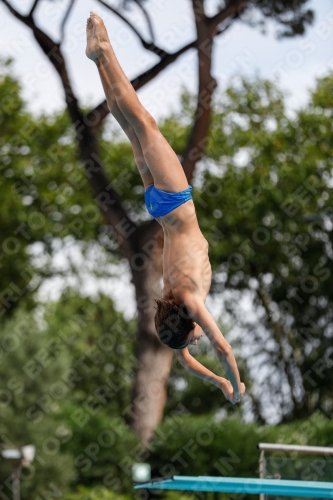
(148, 46)
(150, 25)
(207, 84)
(256, 407)
(24, 19)
(32, 10)
(99, 113)
(123, 18)
(52, 50)
(231, 9)
(105, 196)
(222, 29)
(62, 28)
(278, 337)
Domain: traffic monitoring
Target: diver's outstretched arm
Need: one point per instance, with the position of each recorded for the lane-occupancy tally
(193, 366)
(202, 316)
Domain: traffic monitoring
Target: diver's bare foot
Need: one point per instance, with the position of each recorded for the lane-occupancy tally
(97, 37)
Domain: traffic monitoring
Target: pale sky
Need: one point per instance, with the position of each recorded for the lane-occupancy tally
(297, 61)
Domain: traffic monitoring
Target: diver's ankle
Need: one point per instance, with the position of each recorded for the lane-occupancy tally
(104, 49)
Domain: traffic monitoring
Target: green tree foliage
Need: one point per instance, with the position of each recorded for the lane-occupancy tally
(45, 199)
(30, 370)
(96, 493)
(44, 195)
(192, 446)
(65, 387)
(101, 343)
(292, 16)
(266, 206)
(264, 203)
(98, 385)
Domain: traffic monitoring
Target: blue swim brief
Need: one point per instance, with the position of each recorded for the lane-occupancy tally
(160, 203)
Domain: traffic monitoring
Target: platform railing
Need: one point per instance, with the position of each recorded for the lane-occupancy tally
(314, 450)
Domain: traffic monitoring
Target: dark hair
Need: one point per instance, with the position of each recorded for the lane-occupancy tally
(173, 323)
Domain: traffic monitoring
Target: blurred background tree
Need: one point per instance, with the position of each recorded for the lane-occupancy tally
(67, 366)
(31, 372)
(275, 215)
(141, 243)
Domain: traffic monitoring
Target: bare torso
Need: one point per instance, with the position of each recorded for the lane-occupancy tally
(186, 266)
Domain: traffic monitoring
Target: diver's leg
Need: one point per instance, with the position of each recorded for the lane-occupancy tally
(160, 158)
(146, 176)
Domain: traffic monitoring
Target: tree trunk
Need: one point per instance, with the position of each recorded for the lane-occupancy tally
(142, 247)
(153, 359)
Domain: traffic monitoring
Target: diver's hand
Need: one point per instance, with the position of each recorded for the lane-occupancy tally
(228, 390)
(240, 393)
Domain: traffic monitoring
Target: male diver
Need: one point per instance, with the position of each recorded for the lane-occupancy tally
(181, 316)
